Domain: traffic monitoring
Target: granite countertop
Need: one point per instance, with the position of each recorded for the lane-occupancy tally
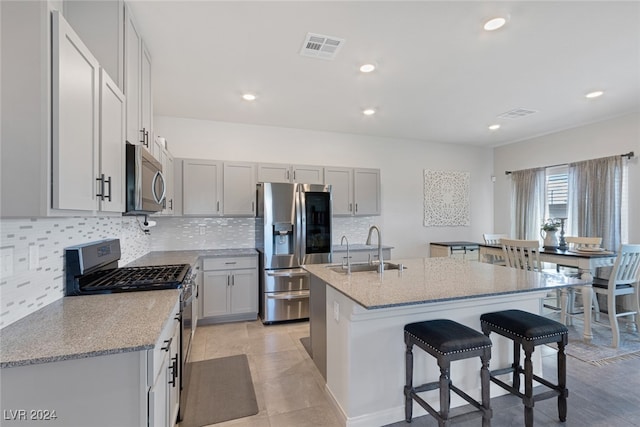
(358, 247)
(87, 326)
(188, 256)
(95, 325)
(427, 280)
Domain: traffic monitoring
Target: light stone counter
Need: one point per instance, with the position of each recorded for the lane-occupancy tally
(188, 256)
(427, 280)
(357, 322)
(87, 326)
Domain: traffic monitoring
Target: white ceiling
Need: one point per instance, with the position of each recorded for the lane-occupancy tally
(440, 76)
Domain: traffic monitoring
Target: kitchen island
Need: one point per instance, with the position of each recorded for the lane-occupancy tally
(357, 326)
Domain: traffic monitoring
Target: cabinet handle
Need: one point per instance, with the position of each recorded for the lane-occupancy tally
(167, 344)
(356, 207)
(171, 204)
(350, 207)
(174, 370)
(101, 180)
(228, 281)
(294, 175)
(230, 263)
(146, 138)
(233, 280)
(288, 175)
(108, 181)
(253, 206)
(143, 131)
(218, 206)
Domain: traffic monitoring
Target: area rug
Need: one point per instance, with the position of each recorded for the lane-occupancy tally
(219, 390)
(599, 351)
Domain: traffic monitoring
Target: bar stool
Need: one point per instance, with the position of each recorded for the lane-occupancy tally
(529, 330)
(447, 341)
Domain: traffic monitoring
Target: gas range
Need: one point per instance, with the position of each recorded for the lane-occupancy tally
(92, 268)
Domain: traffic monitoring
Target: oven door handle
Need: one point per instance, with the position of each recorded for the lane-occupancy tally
(289, 295)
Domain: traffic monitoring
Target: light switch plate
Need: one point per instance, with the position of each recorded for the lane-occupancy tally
(336, 311)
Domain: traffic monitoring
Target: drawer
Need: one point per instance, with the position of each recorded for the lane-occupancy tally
(286, 280)
(229, 263)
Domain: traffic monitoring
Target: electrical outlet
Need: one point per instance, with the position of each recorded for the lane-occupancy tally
(336, 311)
(34, 257)
(6, 261)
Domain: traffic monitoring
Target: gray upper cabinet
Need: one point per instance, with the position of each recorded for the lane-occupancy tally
(137, 85)
(355, 192)
(274, 172)
(366, 192)
(75, 77)
(201, 187)
(239, 189)
(100, 25)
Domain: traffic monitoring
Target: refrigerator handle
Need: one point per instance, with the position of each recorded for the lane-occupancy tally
(301, 224)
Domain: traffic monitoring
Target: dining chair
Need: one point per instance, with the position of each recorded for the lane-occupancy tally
(622, 281)
(494, 239)
(575, 243)
(525, 255)
(522, 254)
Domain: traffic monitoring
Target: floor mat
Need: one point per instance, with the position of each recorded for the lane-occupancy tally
(219, 390)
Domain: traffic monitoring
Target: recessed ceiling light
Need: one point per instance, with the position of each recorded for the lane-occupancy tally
(494, 24)
(249, 97)
(367, 68)
(594, 94)
(369, 112)
(494, 127)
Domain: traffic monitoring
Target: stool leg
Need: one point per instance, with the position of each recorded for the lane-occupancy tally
(528, 387)
(485, 383)
(516, 365)
(445, 393)
(408, 400)
(562, 381)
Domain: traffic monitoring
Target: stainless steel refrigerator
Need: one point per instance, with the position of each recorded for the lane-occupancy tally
(293, 228)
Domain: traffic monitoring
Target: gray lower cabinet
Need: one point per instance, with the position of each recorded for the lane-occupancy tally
(130, 389)
(230, 289)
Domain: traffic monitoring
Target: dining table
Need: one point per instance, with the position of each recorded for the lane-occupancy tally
(586, 261)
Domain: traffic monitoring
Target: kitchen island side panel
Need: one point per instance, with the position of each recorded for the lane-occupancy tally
(365, 354)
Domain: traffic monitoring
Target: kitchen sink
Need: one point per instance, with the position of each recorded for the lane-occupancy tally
(363, 267)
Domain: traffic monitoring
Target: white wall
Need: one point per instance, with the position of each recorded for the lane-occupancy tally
(401, 162)
(606, 138)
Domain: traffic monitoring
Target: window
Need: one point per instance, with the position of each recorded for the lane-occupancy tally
(557, 191)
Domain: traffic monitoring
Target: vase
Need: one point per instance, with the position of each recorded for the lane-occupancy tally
(550, 238)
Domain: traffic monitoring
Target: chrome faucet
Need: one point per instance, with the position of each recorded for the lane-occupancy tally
(344, 239)
(373, 227)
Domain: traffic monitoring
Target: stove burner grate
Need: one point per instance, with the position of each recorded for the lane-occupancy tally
(132, 278)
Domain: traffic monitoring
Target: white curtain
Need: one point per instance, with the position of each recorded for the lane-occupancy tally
(527, 203)
(595, 199)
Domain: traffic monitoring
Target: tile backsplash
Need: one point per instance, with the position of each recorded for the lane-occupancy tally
(32, 273)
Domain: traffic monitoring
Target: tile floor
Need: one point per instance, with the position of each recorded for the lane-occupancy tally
(290, 390)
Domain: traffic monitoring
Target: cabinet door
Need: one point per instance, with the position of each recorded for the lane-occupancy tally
(244, 291)
(112, 140)
(239, 189)
(75, 98)
(146, 100)
(274, 173)
(215, 293)
(341, 181)
(158, 395)
(308, 174)
(132, 67)
(173, 378)
(366, 191)
(202, 187)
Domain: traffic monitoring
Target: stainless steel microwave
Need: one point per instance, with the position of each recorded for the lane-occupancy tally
(146, 187)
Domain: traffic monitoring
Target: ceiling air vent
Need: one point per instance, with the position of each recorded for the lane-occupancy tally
(516, 113)
(319, 46)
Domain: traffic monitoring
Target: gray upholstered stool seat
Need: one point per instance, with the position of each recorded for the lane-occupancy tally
(447, 341)
(528, 330)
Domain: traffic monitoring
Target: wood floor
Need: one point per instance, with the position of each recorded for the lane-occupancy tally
(290, 390)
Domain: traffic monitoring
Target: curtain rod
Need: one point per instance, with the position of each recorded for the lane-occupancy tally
(628, 155)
